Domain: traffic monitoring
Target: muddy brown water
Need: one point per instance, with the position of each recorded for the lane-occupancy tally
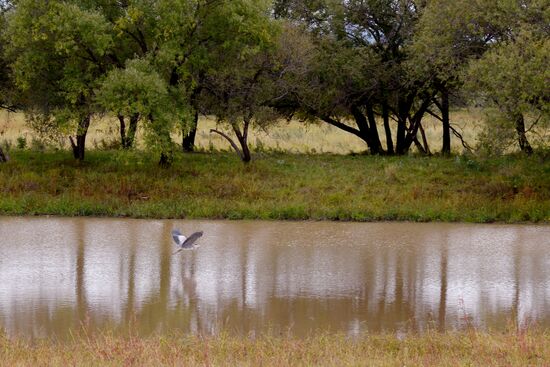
(58, 275)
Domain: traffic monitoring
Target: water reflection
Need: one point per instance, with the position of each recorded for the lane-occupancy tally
(250, 277)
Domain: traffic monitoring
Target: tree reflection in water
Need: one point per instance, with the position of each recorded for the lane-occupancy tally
(251, 277)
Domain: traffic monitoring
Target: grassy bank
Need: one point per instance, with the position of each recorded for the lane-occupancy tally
(531, 348)
(277, 186)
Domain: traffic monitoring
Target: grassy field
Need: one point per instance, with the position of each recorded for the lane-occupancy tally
(514, 348)
(293, 185)
(291, 137)
(278, 186)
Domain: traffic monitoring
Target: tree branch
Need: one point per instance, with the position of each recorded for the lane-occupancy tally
(534, 124)
(340, 125)
(430, 112)
(436, 102)
(239, 152)
(459, 136)
(8, 108)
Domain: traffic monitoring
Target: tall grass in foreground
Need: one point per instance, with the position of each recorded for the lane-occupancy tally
(470, 348)
(278, 186)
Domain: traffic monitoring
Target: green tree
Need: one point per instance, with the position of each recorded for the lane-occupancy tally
(513, 76)
(139, 90)
(359, 71)
(6, 83)
(183, 46)
(461, 41)
(58, 49)
(246, 89)
(448, 35)
(65, 54)
(6, 86)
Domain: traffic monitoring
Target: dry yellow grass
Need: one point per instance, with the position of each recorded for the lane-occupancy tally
(470, 348)
(293, 136)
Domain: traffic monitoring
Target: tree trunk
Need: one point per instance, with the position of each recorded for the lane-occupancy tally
(3, 157)
(247, 157)
(80, 145)
(373, 128)
(165, 160)
(424, 140)
(226, 137)
(244, 151)
(127, 138)
(522, 137)
(419, 146)
(415, 124)
(386, 118)
(360, 134)
(402, 114)
(243, 140)
(131, 136)
(122, 131)
(188, 141)
(364, 129)
(446, 149)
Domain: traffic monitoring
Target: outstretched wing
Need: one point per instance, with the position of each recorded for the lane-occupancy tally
(178, 237)
(188, 243)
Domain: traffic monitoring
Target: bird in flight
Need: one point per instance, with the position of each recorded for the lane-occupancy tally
(186, 243)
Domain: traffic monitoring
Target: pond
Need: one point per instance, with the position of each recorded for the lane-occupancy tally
(248, 277)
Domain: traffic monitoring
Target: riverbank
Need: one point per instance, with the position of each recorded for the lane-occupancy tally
(512, 348)
(277, 186)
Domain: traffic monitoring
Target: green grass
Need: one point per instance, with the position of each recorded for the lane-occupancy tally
(277, 186)
(470, 348)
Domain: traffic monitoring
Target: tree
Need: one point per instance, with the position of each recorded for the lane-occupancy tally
(242, 93)
(337, 88)
(139, 90)
(172, 44)
(66, 52)
(182, 46)
(6, 82)
(448, 35)
(485, 43)
(513, 76)
(6, 86)
(360, 70)
(57, 49)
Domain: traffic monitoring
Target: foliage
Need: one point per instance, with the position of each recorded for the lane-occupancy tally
(500, 50)
(244, 92)
(513, 76)
(57, 49)
(360, 69)
(358, 65)
(66, 53)
(7, 90)
(139, 89)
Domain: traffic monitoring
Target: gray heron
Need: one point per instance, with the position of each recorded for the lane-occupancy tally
(186, 243)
